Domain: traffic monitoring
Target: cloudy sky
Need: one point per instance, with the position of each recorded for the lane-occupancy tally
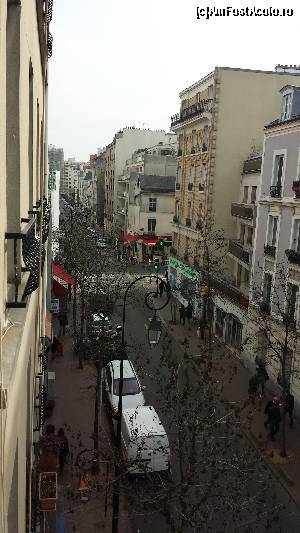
(119, 63)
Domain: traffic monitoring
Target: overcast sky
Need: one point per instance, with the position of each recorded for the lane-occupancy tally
(118, 64)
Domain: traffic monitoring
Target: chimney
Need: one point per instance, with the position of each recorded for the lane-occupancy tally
(288, 69)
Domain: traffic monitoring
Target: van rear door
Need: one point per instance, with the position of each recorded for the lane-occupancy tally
(160, 452)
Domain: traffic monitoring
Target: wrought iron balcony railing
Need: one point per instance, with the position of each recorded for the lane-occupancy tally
(198, 109)
(270, 250)
(231, 292)
(275, 191)
(242, 211)
(237, 250)
(293, 256)
(296, 188)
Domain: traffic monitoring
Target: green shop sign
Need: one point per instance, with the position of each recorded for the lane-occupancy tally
(182, 267)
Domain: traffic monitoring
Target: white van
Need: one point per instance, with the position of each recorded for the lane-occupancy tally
(145, 445)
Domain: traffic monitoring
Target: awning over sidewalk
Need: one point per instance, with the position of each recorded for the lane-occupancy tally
(61, 276)
(130, 238)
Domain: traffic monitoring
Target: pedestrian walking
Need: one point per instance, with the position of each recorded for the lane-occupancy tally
(64, 449)
(63, 322)
(262, 376)
(167, 274)
(289, 407)
(161, 288)
(182, 314)
(252, 388)
(202, 328)
(189, 313)
(274, 416)
(54, 346)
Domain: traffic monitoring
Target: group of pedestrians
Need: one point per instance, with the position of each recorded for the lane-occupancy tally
(55, 443)
(186, 313)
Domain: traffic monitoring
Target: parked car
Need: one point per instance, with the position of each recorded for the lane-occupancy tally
(145, 444)
(132, 390)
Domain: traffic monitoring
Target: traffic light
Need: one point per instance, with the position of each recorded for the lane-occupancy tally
(161, 244)
(156, 263)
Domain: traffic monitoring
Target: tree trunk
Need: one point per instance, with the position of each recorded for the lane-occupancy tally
(284, 391)
(96, 406)
(82, 317)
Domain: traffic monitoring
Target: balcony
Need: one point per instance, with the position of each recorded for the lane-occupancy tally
(177, 186)
(236, 249)
(231, 292)
(190, 187)
(205, 106)
(175, 219)
(296, 188)
(293, 256)
(275, 191)
(270, 250)
(244, 211)
(188, 222)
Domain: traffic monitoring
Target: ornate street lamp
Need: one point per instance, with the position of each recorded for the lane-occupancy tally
(154, 329)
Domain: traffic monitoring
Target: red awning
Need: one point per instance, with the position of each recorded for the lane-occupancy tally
(130, 238)
(150, 242)
(61, 276)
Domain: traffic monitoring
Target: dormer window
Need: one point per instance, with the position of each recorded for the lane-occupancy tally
(286, 106)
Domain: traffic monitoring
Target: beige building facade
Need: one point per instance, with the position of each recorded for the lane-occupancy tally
(220, 118)
(25, 45)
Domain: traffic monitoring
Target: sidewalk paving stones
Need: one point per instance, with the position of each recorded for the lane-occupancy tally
(234, 377)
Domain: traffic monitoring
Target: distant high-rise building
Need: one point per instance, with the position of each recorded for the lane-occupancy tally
(56, 159)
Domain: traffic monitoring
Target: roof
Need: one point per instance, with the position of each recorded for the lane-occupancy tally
(252, 164)
(143, 421)
(152, 183)
(128, 370)
(279, 122)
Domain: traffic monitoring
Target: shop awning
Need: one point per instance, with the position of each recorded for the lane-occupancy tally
(61, 276)
(130, 238)
(150, 242)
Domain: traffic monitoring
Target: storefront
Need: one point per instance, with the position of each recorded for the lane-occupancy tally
(229, 322)
(184, 282)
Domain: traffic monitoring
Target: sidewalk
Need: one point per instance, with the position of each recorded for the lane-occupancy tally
(74, 411)
(234, 379)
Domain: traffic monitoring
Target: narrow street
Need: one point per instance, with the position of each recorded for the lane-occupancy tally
(242, 475)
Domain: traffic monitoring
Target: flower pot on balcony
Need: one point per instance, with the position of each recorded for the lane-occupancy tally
(48, 491)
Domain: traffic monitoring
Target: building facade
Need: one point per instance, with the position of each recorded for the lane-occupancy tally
(221, 117)
(98, 164)
(56, 159)
(25, 46)
(69, 181)
(124, 144)
(275, 284)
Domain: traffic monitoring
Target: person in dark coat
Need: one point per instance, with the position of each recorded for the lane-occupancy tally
(274, 416)
(182, 314)
(262, 377)
(189, 313)
(54, 346)
(64, 449)
(161, 288)
(289, 407)
(253, 388)
(63, 322)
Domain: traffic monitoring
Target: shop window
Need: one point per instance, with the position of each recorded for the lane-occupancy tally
(219, 322)
(233, 332)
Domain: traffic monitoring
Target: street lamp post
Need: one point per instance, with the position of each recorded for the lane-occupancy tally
(154, 333)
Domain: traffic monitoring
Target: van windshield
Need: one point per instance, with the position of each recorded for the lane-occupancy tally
(130, 386)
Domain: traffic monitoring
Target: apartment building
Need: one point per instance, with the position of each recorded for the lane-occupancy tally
(275, 283)
(98, 164)
(69, 182)
(220, 118)
(124, 144)
(25, 45)
(56, 159)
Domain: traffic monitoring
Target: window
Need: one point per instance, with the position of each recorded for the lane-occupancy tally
(245, 197)
(151, 225)
(177, 207)
(219, 322)
(179, 174)
(272, 233)
(233, 332)
(292, 301)
(296, 236)
(278, 167)
(194, 138)
(192, 173)
(267, 290)
(130, 386)
(189, 211)
(205, 139)
(286, 106)
(202, 177)
(242, 233)
(253, 194)
(152, 204)
(250, 236)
